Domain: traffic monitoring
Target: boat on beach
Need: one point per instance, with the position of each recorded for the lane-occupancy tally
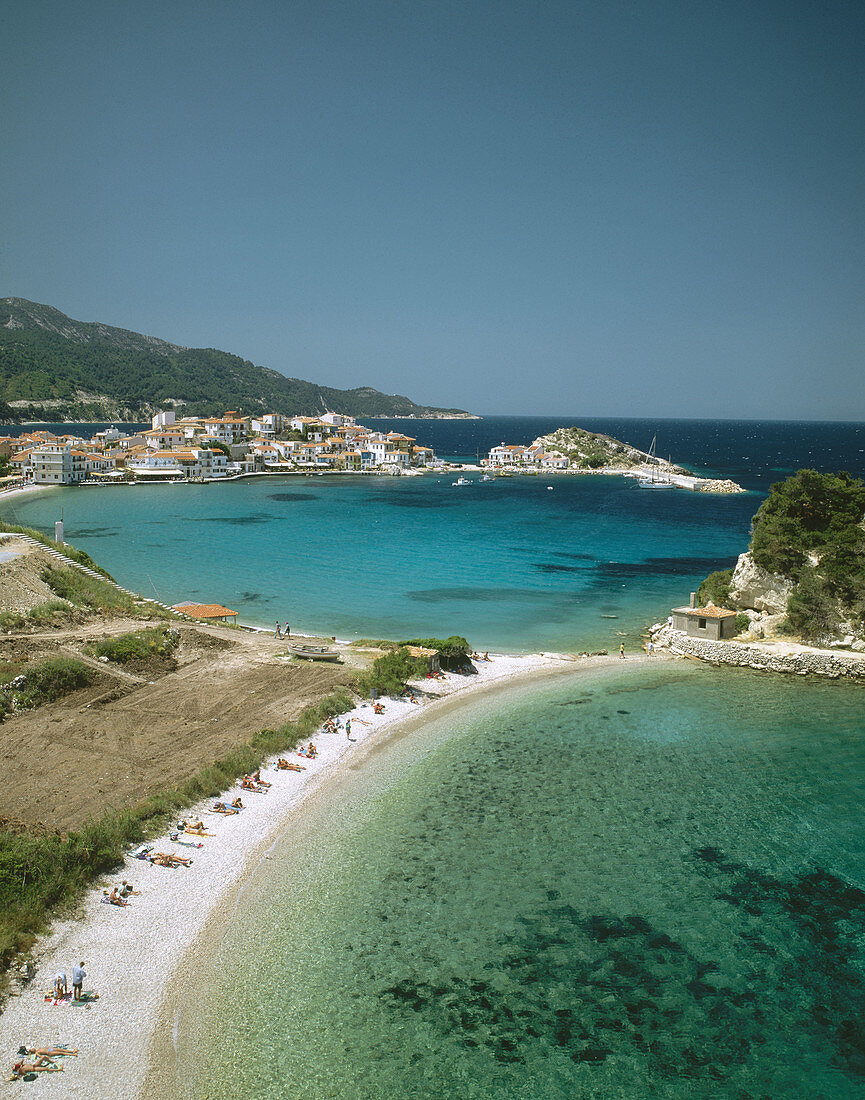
(313, 652)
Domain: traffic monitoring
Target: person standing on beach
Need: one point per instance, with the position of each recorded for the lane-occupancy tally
(287, 629)
(622, 650)
(348, 729)
(277, 634)
(78, 976)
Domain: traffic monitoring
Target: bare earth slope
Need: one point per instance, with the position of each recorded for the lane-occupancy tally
(137, 728)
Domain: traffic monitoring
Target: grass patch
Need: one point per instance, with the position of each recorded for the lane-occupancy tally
(43, 683)
(156, 641)
(94, 594)
(42, 876)
(51, 613)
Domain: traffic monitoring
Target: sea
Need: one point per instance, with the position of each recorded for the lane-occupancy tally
(627, 881)
(554, 563)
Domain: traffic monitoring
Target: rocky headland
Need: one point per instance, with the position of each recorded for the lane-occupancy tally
(593, 452)
(798, 592)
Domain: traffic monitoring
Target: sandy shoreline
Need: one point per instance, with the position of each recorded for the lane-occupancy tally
(135, 955)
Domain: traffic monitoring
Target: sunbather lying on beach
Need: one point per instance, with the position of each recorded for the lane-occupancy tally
(249, 784)
(256, 777)
(169, 859)
(127, 890)
(194, 827)
(221, 808)
(47, 1052)
(285, 766)
(237, 804)
(20, 1068)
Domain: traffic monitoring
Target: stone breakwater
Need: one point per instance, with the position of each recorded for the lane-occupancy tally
(802, 662)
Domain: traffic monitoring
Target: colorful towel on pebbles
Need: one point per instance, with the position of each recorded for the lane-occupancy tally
(84, 1001)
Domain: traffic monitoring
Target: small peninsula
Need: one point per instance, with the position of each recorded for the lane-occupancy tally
(795, 600)
(578, 451)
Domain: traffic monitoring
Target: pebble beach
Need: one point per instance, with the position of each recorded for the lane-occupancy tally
(134, 954)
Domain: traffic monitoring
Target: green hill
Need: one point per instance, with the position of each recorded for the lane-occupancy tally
(55, 368)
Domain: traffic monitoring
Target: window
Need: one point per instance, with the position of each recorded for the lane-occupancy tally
(702, 624)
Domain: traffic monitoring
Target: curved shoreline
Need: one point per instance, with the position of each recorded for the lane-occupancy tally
(138, 957)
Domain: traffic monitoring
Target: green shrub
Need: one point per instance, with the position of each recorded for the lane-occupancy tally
(743, 622)
(811, 513)
(157, 641)
(51, 679)
(810, 610)
(390, 672)
(716, 587)
(452, 651)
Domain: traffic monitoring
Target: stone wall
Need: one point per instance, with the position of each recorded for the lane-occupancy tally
(746, 656)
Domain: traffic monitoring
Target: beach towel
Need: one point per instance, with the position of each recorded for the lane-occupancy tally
(86, 998)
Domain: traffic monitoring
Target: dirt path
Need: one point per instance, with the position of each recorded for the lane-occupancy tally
(128, 735)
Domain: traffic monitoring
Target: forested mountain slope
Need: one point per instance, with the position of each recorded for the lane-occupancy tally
(55, 368)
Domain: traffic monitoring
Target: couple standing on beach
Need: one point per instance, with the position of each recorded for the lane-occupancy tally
(277, 633)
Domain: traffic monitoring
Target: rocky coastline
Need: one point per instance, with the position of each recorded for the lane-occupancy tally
(762, 597)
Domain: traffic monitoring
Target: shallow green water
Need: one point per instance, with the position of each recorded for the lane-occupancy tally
(623, 883)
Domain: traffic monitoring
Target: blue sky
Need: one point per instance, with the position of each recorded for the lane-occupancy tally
(599, 208)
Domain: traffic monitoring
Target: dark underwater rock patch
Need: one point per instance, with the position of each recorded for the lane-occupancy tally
(597, 985)
(292, 498)
(824, 918)
(237, 521)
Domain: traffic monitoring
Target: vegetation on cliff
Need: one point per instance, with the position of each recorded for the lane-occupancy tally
(810, 530)
(56, 368)
(592, 450)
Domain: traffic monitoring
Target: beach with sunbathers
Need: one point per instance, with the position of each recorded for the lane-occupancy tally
(142, 955)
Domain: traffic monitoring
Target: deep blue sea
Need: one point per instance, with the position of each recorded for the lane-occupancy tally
(640, 880)
(552, 562)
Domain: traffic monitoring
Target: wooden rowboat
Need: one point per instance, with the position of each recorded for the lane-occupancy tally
(314, 652)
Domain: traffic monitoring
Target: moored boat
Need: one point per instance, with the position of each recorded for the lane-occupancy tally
(313, 652)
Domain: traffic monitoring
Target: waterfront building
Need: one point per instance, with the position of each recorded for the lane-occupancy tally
(714, 623)
(52, 464)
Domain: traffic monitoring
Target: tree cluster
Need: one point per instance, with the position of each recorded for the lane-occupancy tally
(810, 529)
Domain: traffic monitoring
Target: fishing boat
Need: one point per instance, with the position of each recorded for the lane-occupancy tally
(461, 481)
(313, 652)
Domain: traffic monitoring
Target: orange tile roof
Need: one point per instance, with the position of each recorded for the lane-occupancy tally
(708, 612)
(204, 610)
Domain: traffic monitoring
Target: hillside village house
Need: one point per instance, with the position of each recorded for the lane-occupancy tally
(186, 448)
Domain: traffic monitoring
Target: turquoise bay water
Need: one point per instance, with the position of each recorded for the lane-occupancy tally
(636, 882)
(621, 883)
(510, 564)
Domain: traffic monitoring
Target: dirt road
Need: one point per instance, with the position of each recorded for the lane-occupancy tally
(125, 736)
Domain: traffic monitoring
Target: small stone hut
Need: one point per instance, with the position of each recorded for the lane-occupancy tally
(714, 623)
